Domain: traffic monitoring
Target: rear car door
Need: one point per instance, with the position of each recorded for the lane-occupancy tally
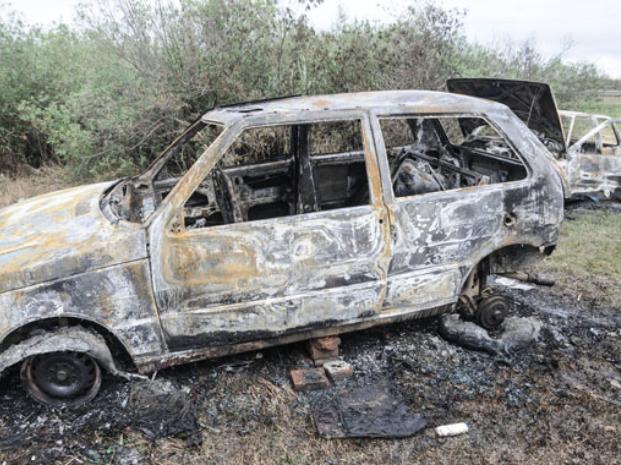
(301, 250)
(451, 203)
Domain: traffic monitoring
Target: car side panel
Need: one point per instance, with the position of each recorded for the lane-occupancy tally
(438, 238)
(118, 298)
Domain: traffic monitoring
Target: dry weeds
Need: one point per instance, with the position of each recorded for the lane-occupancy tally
(32, 183)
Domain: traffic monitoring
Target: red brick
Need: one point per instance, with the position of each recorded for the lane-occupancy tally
(308, 379)
(323, 349)
(327, 343)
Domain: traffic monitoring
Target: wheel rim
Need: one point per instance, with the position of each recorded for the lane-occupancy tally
(61, 378)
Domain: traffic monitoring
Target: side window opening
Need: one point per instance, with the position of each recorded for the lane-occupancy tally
(431, 154)
(276, 171)
(603, 142)
(582, 125)
(339, 171)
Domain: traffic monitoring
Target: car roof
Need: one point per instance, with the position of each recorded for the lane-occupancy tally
(389, 101)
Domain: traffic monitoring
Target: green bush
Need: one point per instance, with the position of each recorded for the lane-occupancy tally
(104, 95)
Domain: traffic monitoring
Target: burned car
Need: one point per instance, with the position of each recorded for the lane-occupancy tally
(272, 222)
(594, 146)
(587, 147)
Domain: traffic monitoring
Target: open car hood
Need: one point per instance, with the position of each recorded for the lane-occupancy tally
(532, 102)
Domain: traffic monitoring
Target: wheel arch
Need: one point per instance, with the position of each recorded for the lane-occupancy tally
(115, 345)
(507, 259)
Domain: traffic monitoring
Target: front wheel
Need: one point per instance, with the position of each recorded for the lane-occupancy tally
(61, 378)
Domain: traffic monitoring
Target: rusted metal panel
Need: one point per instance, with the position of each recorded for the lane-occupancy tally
(323, 107)
(423, 289)
(593, 164)
(596, 173)
(74, 339)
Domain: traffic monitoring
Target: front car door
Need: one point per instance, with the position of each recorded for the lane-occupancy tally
(299, 249)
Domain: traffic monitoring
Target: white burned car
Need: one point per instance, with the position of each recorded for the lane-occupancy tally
(271, 222)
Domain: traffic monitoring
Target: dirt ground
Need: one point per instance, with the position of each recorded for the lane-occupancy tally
(558, 401)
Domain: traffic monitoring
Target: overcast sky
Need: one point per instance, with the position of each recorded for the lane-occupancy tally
(592, 27)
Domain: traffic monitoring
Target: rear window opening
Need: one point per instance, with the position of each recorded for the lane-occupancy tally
(431, 154)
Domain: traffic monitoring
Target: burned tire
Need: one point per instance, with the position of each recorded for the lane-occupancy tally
(491, 311)
(61, 378)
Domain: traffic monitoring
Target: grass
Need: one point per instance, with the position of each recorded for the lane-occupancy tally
(587, 259)
(32, 183)
(610, 106)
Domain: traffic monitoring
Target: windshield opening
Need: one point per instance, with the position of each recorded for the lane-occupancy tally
(136, 199)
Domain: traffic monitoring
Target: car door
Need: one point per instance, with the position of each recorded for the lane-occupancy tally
(594, 160)
(262, 278)
(440, 231)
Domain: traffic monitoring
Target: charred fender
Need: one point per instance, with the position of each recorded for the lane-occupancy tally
(71, 339)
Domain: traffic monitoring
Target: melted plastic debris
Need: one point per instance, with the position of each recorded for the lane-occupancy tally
(373, 411)
(517, 333)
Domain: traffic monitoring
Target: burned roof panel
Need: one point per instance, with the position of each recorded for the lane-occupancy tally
(389, 101)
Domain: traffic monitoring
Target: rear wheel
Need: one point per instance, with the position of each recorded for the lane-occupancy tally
(61, 378)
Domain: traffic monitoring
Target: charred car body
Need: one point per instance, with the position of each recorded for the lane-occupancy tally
(587, 148)
(270, 222)
(594, 146)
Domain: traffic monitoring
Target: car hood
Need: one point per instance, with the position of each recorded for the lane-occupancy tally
(62, 234)
(532, 102)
